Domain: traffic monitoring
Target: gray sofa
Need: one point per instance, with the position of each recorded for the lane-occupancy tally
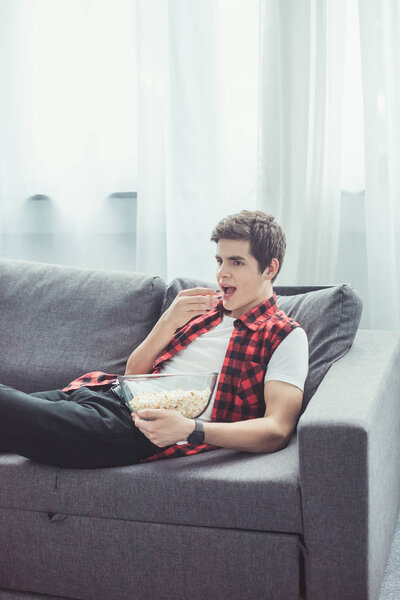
(312, 521)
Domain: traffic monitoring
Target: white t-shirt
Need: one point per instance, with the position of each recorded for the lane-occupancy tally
(289, 362)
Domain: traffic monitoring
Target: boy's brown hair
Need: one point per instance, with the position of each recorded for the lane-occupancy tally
(266, 237)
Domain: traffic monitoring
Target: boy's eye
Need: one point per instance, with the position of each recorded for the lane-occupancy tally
(235, 262)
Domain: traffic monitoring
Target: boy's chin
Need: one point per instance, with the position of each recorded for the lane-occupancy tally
(227, 311)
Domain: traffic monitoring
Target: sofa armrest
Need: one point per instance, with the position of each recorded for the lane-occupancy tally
(349, 449)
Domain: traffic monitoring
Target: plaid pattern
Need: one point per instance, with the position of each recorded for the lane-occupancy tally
(240, 392)
(96, 378)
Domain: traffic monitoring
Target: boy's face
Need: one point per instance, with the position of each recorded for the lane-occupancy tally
(239, 279)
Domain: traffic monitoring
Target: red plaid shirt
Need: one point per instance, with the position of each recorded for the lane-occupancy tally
(240, 392)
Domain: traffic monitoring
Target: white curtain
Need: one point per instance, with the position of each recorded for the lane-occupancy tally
(198, 128)
(301, 90)
(380, 57)
(68, 126)
(204, 107)
(239, 107)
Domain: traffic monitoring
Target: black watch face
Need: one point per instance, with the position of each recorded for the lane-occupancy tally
(196, 437)
(193, 438)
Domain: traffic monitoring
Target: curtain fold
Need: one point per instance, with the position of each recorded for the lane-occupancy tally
(153, 136)
(197, 114)
(301, 86)
(380, 63)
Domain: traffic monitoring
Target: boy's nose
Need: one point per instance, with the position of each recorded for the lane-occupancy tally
(223, 270)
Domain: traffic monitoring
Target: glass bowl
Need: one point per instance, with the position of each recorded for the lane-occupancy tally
(190, 393)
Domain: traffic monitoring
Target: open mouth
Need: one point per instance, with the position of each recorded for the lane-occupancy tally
(228, 291)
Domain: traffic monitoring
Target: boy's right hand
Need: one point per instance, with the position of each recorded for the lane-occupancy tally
(190, 303)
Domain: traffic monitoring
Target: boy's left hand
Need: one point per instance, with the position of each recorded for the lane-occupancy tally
(167, 426)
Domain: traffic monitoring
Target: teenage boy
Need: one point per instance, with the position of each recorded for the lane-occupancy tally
(261, 356)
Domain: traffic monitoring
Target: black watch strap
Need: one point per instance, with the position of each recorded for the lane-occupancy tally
(197, 435)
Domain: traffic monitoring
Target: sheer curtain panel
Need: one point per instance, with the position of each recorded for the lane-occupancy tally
(198, 128)
(301, 88)
(239, 107)
(380, 60)
(68, 130)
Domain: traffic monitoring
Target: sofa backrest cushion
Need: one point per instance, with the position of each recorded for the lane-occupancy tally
(57, 322)
(329, 315)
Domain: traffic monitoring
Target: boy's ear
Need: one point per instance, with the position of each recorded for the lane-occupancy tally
(272, 269)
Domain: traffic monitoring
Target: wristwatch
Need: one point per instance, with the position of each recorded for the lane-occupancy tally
(197, 435)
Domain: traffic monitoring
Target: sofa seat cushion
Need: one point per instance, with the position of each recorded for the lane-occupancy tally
(222, 488)
(26, 483)
(59, 322)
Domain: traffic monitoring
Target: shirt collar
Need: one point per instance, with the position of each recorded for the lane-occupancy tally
(257, 315)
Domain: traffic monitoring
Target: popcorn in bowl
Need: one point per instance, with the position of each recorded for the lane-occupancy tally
(191, 403)
(190, 393)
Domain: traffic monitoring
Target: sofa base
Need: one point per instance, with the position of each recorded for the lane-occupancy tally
(90, 558)
(13, 595)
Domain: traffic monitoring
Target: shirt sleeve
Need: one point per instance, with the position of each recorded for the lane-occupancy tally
(289, 362)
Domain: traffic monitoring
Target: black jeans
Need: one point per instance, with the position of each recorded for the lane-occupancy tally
(87, 428)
